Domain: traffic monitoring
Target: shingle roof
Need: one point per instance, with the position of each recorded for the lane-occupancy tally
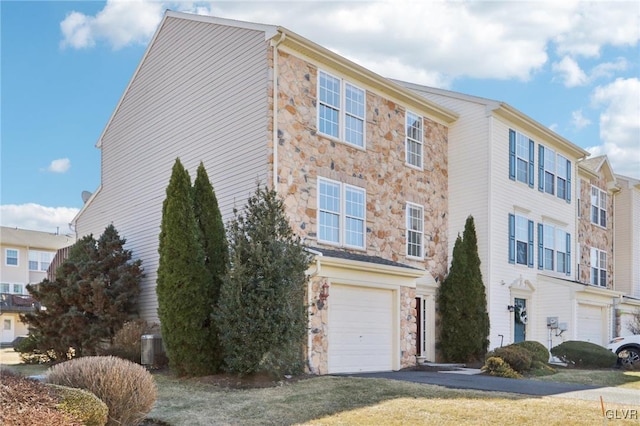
(341, 254)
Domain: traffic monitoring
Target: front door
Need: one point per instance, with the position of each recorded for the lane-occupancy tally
(520, 320)
(421, 329)
(7, 330)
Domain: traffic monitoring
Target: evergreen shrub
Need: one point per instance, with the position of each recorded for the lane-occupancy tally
(584, 354)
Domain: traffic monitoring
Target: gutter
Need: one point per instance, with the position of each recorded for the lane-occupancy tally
(275, 44)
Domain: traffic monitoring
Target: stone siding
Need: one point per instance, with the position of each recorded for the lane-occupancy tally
(592, 235)
(304, 155)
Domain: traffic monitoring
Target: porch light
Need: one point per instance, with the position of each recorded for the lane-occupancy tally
(511, 308)
(324, 294)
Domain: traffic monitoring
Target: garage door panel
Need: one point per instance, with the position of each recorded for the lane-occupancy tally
(590, 324)
(360, 329)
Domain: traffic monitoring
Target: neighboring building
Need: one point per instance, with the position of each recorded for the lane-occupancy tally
(26, 255)
(626, 245)
(360, 162)
(517, 178)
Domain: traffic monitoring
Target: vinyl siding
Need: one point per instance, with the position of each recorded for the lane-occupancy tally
(200, 95)
(627, 239)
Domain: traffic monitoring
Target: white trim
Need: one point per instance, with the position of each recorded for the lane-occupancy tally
(407, 139)
(421, 232)
(342, 213)
(6, 257)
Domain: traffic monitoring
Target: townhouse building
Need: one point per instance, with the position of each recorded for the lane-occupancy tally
(360, 162)
(26, 256)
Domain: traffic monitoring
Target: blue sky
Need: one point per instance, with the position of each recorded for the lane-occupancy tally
(572, 66)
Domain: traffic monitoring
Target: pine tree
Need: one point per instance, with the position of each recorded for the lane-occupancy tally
(95, 292)
(183, 281)
(214, 243)
(462, 303)
(262, 314)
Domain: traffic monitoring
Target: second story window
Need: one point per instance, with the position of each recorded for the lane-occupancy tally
(39, 260)
(11, 257)
(415, 230)
(554, 249)
(414, 135)
(554, 173)
(598, 207)
(521, 158)
(598, 267)
(5, 288)
(520, 240)
(341, 218)
(341, 109)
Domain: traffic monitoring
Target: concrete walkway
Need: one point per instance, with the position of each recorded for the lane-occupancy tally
(469, 380)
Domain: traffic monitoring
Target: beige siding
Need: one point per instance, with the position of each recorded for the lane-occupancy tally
(200, 95)
(627, 239)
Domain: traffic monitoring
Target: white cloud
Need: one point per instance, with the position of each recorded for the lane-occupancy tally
(120, 23)
(570, 72)
(38, 218)
(619, 125)
(61, 165)
(578, 120)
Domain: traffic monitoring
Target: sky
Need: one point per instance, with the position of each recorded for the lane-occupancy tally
(572, 66)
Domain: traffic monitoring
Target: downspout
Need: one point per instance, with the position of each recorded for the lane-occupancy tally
(275, 44)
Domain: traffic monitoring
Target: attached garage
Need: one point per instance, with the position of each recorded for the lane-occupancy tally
(591, 324)
(362, 329)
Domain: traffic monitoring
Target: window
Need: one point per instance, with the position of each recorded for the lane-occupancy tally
(5, 288)
(598, 207)
(554, 249)
(17, 288)
(341, 217)
(346, 123)
(39, 260)
(521, 153)
(598, 267)
(554, 173)
(520, 240)
(11, 257)
(6, 325)
(414, 135)
(415, 230)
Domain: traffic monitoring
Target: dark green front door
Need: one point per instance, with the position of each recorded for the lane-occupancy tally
(520, 326)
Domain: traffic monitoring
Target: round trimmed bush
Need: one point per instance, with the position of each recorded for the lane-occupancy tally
(584, 354)
(82, 404)
(537, 350)
(127, 388)
(517, 357)
(496, 366)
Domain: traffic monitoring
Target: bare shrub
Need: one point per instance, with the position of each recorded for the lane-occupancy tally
(127, 388)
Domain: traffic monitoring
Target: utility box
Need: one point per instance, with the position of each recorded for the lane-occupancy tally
(152, 350)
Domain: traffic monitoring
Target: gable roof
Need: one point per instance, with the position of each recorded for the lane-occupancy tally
(505, 111)
(597, 166)
(293, 41)
(34, 239)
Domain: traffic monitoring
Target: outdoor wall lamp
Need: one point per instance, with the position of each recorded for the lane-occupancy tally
(324, 294)
(511, 308)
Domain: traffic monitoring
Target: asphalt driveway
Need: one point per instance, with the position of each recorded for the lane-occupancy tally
(483, 382)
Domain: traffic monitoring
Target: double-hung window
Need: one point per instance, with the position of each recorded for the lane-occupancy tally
(554, 173)
(341, 218)
(18, 288)
(414, 141)
(415, 230)
(598, 207)
(521, 157)
(554, 249)
(341, 109)
(39, 260)
(520, 240)
(598, 267)
(11, 257)
(5, 288)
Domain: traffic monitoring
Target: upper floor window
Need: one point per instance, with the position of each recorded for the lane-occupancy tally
(554, 173)
(11, 257)
(598, 267)
(341, 218)
(341, 109)
(521, 157)
(415, 230)
(18, 288)
(414, 134)
(554, 249)
(5, 288)
(520, 240)
(598, 206)
(39, 260)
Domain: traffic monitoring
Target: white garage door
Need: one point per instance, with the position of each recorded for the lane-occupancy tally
(591, 324)
(360, 329)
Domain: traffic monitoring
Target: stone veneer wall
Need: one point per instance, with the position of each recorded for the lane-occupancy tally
(304, 155)
(591, 235)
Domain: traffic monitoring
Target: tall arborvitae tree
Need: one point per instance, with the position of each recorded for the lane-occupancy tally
(95, 292)
(214, 243)
(182, 281)
(262, 314)
(462, 303)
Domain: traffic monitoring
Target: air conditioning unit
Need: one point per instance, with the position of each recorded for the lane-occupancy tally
(152, 354)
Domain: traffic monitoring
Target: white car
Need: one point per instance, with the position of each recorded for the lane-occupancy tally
(627, 348)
